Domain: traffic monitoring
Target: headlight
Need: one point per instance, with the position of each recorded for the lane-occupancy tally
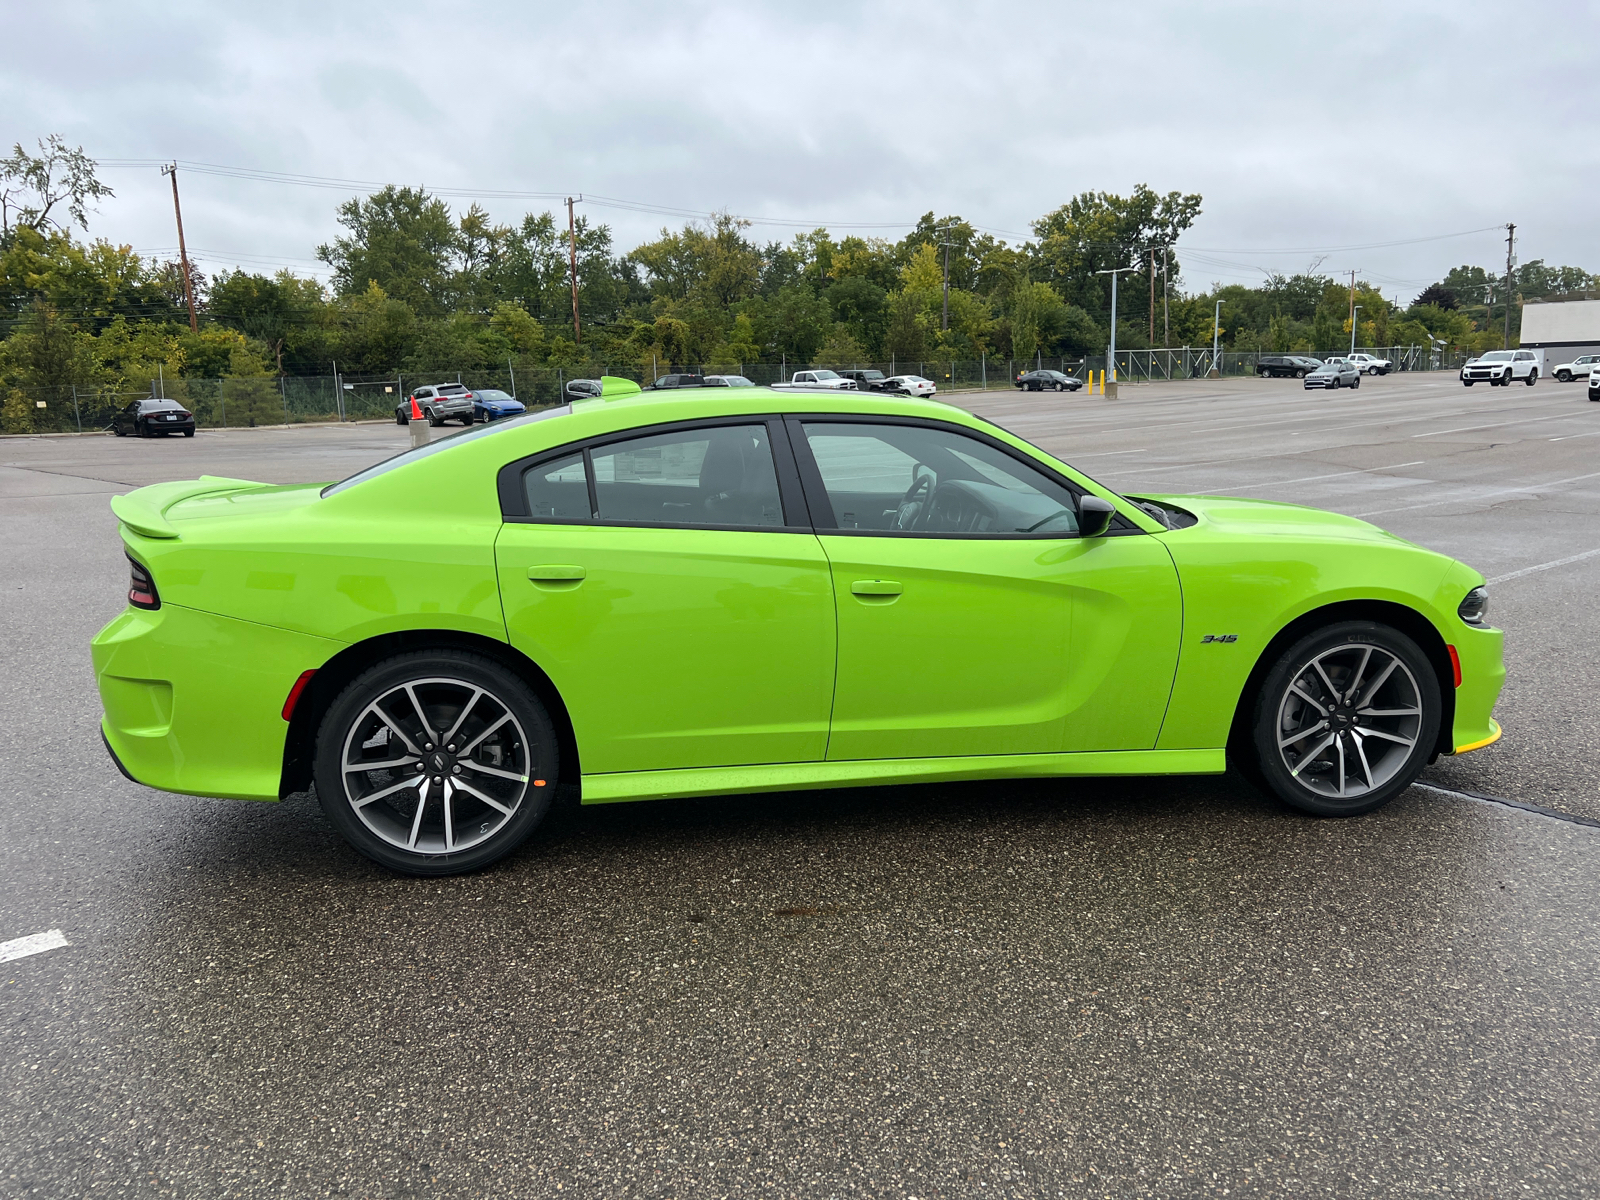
(1474, 610)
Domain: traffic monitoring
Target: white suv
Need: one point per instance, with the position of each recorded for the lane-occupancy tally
(1594, 382)
(1368, 365)
(1500, 367)
(1583, 365)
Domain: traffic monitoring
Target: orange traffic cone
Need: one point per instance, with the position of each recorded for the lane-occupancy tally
(416, 413)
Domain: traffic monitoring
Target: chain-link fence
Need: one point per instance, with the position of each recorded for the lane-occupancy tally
(288, 400)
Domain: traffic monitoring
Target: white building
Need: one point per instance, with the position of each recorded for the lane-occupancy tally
(1560, 329)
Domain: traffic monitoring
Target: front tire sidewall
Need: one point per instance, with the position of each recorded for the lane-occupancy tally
(1268, 765)
(542, 754)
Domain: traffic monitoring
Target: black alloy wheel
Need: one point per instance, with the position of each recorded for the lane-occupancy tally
(1533, 378)
(436, 762)
(1345, 720)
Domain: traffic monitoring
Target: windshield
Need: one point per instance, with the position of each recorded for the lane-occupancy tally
(1497, 356)
(825, 374)
(493, 394)
(445, 443)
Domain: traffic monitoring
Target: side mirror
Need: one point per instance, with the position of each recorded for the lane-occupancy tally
(1094, 516)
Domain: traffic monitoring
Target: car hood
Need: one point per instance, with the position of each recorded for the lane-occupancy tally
(1267, 518)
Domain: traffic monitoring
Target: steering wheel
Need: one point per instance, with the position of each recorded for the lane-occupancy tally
(915, 503)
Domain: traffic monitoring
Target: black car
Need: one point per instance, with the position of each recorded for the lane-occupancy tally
(153, 418)
(1048, 381)
(1286, 366)
(675, 381)
(867, 381)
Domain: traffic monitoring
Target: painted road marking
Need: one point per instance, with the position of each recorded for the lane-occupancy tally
(1495, 425)
(1549, 566)
(1479, 497)
(34, 943)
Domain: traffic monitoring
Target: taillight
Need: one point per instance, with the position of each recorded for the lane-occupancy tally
(142, 589)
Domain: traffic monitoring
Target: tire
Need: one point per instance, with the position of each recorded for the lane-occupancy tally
(1357, 381)
(434, 419)
(188, 433)
(1564, 376)
(1061, 387)
(1533, 378)
(512, 760)
(399, 417)
(1364, 772)
(1466, 383)
(1300, 375)
(119, 430)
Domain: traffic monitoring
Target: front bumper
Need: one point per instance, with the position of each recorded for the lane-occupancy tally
(193, 701)
(1486, 374)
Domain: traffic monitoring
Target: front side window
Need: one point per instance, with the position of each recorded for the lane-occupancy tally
(722, 475)
(913, 479)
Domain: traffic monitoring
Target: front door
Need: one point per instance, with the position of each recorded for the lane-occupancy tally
(972, 618)
(676, 597)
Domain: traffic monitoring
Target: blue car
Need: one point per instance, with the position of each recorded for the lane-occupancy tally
(490, 404)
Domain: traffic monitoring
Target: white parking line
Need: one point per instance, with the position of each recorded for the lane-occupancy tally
(1315, 478)
(1480, 497)
(34, 943)
(1553, 563)
(1495, 425)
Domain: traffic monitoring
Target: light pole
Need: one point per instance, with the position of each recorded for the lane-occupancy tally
(1216, 341)
(1353, 319)
(1112, 353)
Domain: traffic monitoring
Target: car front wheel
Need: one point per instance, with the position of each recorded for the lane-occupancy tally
(436, 762)
(1346, 719)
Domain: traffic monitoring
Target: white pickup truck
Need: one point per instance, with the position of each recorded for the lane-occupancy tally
(1369, 365)
(819, 379)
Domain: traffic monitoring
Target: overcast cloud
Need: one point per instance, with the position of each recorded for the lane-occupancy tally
(1312, 127)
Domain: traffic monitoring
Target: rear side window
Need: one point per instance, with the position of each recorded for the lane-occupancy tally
(558, 491)
(718, 476)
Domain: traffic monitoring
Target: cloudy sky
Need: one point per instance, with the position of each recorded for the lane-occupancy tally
(1359, 134)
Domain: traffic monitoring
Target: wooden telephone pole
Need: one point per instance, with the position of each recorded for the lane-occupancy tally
(572, 259)
(183, 252)
(1511, 246)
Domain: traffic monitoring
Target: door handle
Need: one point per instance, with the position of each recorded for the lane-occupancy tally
(557, 575)
(879, 588)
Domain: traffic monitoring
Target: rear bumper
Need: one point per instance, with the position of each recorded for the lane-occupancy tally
(193, 702)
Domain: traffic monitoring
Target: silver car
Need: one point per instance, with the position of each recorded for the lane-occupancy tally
(1335, 373)
(438, 403)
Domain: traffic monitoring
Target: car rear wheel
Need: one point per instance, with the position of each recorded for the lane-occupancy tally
(1533, 378)
(1356, 382)
(188, 433)
(1346, 719)
(399, 417)
(436, 762)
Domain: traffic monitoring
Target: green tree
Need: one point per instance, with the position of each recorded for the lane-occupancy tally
(401, 239)
(36, 190)
(1098, 231)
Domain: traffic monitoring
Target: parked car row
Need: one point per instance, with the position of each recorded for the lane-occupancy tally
(443, 402)
(1298, 366)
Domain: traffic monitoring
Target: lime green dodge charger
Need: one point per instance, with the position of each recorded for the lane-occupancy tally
(746, 590)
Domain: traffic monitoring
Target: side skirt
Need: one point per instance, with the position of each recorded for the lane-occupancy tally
(786, 777)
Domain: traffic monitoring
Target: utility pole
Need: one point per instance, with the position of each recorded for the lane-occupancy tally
(1353, 328)
(1216, 341)
(1152, 295)
(183, 251)
(572, 259)
(1166, 315)
(1511, 261)
(1353, 299)
(944, 241)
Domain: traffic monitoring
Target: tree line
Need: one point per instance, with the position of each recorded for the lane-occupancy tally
(418, 288)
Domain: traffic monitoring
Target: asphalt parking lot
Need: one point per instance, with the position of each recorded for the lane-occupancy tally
(1165, 988)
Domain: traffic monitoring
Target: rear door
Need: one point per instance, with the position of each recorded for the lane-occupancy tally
(669, 583)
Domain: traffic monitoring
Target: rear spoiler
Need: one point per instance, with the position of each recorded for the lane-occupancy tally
(145, 510)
